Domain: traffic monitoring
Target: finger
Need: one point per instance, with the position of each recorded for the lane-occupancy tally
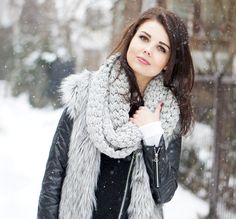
(141, 107)
(158, 109)
(132, 120)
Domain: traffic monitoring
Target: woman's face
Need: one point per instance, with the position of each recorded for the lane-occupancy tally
(149, 51)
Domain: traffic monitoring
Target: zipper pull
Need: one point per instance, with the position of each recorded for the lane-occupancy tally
(156, 152)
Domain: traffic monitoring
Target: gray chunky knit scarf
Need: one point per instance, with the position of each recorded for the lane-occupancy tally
(96, 102)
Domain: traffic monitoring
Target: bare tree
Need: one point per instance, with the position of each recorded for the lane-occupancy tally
(218, 39)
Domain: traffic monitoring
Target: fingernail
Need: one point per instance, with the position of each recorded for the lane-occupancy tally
(162, 104)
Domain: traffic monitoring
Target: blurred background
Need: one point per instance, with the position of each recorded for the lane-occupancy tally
(43, 41)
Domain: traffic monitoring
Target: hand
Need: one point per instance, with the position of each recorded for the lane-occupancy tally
(144, 116)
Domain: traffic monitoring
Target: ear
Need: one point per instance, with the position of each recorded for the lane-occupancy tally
(164, 69)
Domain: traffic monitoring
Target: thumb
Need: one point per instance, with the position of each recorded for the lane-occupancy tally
(158, 109)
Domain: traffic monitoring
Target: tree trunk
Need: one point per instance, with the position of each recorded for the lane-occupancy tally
(124, 12)
(218, 142)
(161, 3)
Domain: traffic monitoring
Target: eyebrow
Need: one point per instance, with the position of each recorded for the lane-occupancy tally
(164, 44)
(159, 41)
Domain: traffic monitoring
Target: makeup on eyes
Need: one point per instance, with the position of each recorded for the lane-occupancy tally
(160, 42)
(164, 44)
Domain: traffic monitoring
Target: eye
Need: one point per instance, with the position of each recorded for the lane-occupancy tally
(161, 48)
(143, 38)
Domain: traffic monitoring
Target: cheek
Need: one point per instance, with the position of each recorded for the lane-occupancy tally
(131, 52)
(131, 48)
(135, 45)
(128, 55)
(161, 60)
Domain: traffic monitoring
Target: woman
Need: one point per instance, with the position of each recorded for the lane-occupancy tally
(116, 151)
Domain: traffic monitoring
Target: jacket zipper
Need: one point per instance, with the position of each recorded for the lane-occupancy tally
(126, 187)
(156, 153)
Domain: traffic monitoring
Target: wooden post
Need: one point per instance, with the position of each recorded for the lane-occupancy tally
(214, 186)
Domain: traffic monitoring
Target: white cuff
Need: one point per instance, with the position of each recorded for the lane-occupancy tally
(152, 133)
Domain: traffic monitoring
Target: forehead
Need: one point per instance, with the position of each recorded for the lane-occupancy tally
(155, 30)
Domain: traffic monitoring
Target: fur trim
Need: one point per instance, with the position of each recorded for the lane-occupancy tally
(73, 89)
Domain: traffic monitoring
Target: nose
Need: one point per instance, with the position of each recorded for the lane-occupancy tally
(146, 51)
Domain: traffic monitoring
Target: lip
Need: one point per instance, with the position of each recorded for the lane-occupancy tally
(143, 60)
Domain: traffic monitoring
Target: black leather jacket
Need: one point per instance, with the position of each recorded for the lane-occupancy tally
(168, 164)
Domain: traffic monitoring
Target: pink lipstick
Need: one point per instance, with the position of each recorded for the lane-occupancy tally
(143, 61)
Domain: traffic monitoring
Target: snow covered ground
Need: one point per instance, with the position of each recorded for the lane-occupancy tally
(25, 137)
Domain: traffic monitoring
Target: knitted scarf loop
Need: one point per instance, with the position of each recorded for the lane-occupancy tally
(96, 102)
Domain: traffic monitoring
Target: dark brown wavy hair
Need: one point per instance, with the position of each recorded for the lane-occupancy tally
(179, 74)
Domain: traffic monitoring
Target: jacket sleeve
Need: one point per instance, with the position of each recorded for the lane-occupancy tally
(50, 194)
(162, 166)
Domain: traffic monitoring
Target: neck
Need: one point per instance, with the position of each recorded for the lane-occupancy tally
(142, 83)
